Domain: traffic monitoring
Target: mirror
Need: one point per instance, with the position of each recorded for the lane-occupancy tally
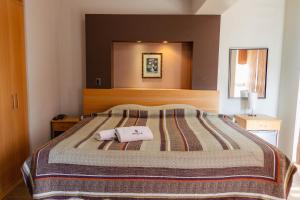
(248, 72)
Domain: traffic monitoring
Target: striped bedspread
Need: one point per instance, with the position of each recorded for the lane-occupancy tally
(194, 155)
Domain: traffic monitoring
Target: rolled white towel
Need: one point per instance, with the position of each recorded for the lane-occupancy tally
(105, 135)
(134, 133)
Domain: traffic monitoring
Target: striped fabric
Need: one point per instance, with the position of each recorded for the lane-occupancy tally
(194, 155)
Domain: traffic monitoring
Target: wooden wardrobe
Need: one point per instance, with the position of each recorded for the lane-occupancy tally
(14, 145)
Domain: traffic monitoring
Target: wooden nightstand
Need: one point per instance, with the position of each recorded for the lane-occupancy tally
(60, 126)
(263, 126)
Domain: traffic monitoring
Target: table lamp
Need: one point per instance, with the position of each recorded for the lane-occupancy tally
(252, 99)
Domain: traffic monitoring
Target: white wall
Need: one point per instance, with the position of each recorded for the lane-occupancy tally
(289, 85)
(72, 38)
(252, 23)
(248, 23)
(42, 68)
(56, 50)
(56, 53)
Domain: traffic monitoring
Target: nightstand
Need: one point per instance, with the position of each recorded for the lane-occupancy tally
(263, 126)
(60, 126)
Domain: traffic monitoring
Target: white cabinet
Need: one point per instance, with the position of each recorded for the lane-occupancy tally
(268, 136)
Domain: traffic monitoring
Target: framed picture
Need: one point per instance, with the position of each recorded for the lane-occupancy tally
(152, 65)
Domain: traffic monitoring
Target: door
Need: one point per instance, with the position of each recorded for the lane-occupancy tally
(13, 105)
(18, 79)
(7, 151)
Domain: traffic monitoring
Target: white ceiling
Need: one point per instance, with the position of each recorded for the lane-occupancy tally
(210, 7)
(190, 7)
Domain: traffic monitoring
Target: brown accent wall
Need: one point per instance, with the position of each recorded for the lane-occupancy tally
(203, 31)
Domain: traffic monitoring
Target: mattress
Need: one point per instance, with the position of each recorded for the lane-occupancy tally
(194, 155)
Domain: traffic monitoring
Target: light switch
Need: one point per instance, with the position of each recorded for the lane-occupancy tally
(98, 82)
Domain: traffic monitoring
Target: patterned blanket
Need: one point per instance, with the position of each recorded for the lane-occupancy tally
(194, 155)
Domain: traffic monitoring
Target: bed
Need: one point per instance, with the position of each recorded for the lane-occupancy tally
(195, 154)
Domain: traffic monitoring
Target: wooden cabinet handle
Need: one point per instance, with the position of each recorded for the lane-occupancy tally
(17, 101)
(13, 101)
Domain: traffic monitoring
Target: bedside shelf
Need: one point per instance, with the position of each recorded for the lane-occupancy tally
(62, 125)
(263, 126)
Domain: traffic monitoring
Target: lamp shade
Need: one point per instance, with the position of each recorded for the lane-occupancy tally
(252, 99)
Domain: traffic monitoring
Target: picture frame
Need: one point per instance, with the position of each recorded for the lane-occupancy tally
(151, 65)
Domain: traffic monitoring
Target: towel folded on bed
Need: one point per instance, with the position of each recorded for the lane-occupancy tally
(105, 135)
(133, 133)
(125, 134)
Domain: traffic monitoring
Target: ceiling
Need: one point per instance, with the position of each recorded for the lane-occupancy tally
(210, 7)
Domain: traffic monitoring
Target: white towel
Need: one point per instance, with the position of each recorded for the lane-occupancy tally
(133, 133)
(105, 135)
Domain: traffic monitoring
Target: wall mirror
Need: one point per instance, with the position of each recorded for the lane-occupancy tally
(247, 72)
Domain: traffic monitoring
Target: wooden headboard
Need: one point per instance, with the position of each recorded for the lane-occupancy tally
(99, 100)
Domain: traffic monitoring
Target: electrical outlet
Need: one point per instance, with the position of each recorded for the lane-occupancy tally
(98, 82)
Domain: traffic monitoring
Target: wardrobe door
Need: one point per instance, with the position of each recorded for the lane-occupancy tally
(13, 109)
(7, 148)
(18, 77)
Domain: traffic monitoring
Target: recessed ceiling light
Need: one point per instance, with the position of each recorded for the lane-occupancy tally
(139, 41)
(165, 42)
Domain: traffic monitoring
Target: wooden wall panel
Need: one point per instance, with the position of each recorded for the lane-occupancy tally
(99, 100)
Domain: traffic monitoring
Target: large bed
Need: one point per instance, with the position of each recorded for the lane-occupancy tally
(194, 155)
